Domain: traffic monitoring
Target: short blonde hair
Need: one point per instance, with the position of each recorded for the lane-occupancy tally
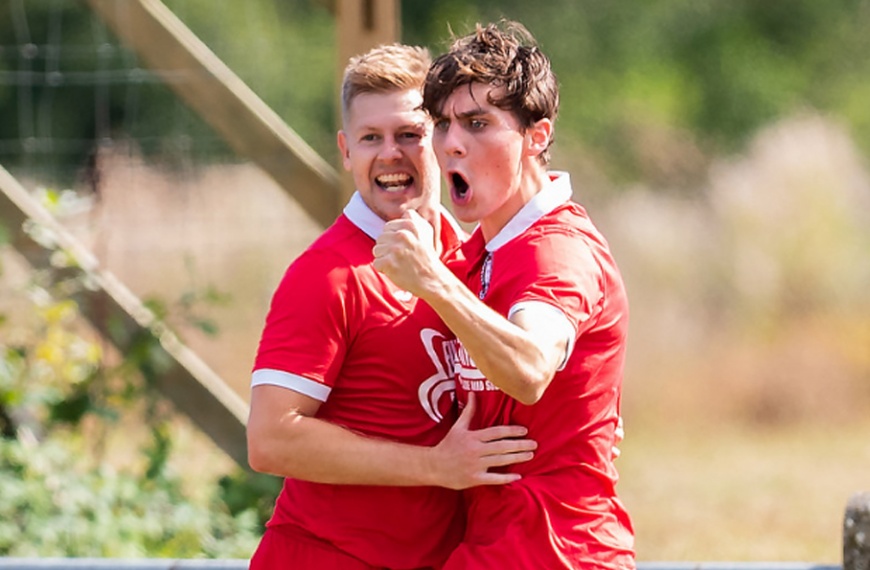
(384, 69)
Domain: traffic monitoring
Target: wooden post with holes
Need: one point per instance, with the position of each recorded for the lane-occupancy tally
(359, 26)
(856, 533)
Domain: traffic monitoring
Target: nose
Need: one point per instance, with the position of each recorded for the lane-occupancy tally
(449, 141)
(390, 150)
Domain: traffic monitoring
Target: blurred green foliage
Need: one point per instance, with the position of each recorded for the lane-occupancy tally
(62, 398)
(63, 495)
(283, 50)
(715, 71)
(53, 505)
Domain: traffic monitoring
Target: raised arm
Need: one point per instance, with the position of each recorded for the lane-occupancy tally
(520, 355)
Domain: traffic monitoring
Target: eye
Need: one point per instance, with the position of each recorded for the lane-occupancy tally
(410, 136)
(476, 124)
(370, 137)
(441, 125)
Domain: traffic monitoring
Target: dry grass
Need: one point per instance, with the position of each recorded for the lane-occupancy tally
(722, 492)
(747, 387)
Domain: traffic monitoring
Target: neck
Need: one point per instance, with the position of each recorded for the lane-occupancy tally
(531, 180)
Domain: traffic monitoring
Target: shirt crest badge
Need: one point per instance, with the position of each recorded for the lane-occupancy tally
(485, 276)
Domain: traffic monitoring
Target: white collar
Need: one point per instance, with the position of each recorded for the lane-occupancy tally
(371, 224)
(554, 193)
(360, 215)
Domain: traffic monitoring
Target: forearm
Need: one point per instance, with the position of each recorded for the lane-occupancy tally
(286, 438)
(505, 353)
(520, 358)
(315, 450)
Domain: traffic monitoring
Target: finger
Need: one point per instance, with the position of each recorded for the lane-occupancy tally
(498, 478)
(396, 223)
(501, 432)
(403, 223)
(507, 459)
(382, 261)
(467, 412)
(505, 446)
(419, 223)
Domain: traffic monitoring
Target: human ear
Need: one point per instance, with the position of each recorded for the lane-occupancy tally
(341, 140)
(539, 136)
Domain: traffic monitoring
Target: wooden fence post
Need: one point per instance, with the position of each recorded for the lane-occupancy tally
(225, 102)
(856, 533)
(121, 317)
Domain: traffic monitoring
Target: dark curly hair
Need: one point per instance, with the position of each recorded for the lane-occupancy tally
(503, 55)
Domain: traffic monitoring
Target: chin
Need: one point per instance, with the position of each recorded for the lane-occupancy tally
(464, 214)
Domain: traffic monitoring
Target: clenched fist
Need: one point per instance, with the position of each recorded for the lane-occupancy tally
(405, 252)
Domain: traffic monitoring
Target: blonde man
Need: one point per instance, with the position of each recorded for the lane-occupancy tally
(352, 389)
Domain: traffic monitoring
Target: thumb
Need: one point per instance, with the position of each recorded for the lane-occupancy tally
(467, 411)
(419, 221)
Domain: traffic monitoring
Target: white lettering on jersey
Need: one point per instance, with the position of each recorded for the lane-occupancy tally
(436, 386)
(470, 378)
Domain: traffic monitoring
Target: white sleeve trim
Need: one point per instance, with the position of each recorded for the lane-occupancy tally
(560, 321)
(269, 376)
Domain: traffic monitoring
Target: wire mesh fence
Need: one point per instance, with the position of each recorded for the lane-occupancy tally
(142, 179)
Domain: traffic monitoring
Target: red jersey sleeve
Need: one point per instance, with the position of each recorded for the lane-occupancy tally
(558, 267)
(307, 329)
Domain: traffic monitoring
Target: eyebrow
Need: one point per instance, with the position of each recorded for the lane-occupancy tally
(476, 112)
(419, 125)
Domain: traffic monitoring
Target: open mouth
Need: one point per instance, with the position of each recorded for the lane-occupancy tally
(459, 188)
(397, 182)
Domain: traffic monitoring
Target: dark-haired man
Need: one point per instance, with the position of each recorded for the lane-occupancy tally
(537, 303)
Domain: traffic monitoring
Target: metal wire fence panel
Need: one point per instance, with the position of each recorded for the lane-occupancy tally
(148, 186)
(74, 88)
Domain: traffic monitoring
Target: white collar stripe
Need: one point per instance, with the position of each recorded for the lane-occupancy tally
(552, 195)
(360, 215)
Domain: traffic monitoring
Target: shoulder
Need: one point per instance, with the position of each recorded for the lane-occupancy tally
(330, 265)
(561, 251)
(567, 232)
(341, 247)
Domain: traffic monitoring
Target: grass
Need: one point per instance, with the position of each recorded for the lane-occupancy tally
(733, 493)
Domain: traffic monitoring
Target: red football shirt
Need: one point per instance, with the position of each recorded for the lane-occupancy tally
(343, 333)
(564, 513)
